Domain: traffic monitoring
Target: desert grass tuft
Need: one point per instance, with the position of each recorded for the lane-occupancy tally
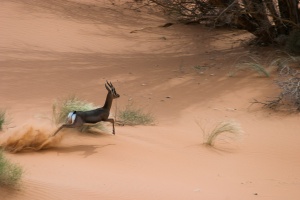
(200, 69)
(10, 173)
(62, 107)
(132, 116)
(252, 63)
(2, 118)
(222, 128)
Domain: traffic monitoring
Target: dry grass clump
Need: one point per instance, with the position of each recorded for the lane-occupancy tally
(284, 60)
(222, 128)
(132, 116)
(2, 118)
(10, 174)
(62, 107)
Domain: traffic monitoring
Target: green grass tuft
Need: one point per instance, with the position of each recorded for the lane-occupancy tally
(251, 63)
(62, 107)
(135, 116)
(10, 174)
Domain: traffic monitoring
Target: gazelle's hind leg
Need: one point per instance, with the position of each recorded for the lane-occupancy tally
(61, 127)
(44, 144)
(76, 123)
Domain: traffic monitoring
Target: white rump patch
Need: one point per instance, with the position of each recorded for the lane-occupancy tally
(71, 117)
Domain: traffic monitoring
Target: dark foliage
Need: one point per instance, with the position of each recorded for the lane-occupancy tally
(266, 19)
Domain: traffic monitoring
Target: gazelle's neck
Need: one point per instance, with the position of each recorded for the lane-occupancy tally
(108, 101)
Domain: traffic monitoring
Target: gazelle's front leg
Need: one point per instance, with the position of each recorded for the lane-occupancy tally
(111, 120)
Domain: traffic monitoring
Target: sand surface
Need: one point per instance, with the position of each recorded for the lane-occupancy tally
(51, 50)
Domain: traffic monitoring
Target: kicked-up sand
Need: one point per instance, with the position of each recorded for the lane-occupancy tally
(29, 137)
(53, 49)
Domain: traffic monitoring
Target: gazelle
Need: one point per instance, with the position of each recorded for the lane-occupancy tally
(79, 118)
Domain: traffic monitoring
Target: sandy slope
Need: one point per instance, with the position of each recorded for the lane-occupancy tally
(49, 50)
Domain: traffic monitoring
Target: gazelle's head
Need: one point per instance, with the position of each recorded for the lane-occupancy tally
(111, 89)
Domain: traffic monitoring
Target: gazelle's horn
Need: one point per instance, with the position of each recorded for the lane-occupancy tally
(108, 88)
(111, 85)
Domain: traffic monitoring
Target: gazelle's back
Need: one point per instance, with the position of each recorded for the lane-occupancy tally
(93, 116)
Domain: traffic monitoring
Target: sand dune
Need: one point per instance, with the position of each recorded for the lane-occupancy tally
(49, 50)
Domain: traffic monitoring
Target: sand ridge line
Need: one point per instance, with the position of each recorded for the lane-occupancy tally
(47, 191)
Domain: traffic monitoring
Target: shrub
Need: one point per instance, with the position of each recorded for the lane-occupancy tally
(10, 174)
(288, 81)
(293, 41)
(135, 116)
(62, 107)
